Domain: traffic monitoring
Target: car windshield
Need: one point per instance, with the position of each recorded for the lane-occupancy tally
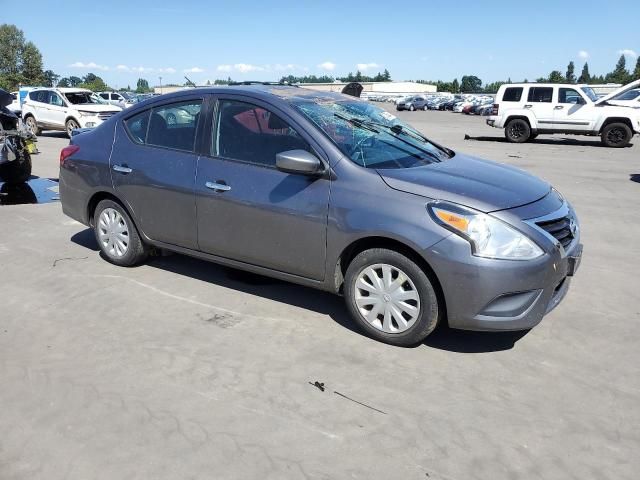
(590, 93)
(630, 95)
(372, 137)
(83, 98)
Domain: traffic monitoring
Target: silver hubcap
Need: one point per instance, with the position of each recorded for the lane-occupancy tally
(71, 126)
(113, 232)
(387, 298)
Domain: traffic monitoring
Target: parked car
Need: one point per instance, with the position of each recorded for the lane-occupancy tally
(327, 191)
(64, 109)
(630, 98)
(412, 103)
(528, 109)
(15, 160)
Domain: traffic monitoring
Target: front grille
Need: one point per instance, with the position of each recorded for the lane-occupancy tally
(560, 229)
(105, 115)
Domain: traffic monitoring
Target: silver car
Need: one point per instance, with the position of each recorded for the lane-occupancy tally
(327, 191)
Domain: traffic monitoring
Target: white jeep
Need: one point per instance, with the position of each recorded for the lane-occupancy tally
(525, 110)
(64, 109)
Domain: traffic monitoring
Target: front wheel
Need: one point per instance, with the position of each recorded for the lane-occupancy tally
(517, 131)
(390, 297)
(117, 235)
(616, 135)
(71, 125)
(412, 108)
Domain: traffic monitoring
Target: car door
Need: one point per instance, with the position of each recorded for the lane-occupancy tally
(247, 209)
(540, 102)
(57, 109)
(39, 101)
(153, 168)
(573, 111)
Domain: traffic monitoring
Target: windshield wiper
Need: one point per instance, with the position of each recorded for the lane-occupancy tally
(356, 122)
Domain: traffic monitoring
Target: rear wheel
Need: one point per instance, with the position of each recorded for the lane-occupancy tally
(390, 297)
(616, 135)
(32, 125)
(117, 235)
(517, 130)
(412, 108)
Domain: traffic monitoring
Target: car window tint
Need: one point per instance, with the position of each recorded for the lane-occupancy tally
(174, 125)
(105, 96)
(540, 94)
(137, 126)
(568, 95)
(253, 134)
(512, 94)
(54, 99)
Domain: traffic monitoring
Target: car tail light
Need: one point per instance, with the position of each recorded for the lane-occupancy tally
(66, 152)
(494, 110)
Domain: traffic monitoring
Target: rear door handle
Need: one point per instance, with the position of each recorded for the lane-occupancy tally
(218, 186)
(122, 169)
(558, 107)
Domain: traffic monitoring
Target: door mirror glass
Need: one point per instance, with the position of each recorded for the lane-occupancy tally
(298, 161)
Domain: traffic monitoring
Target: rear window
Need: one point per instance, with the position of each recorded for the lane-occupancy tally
(512, 94)
(540, 94)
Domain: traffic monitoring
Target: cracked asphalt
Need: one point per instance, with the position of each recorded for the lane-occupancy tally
(181, 369)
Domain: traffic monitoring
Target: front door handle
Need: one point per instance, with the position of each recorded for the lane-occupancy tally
(218, 186)
(122, 169)
(558, 107)
(528, 106)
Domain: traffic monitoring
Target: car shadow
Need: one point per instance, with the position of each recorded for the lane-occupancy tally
(635, 177)
(54, 134)
(545, 141)
(324, 303)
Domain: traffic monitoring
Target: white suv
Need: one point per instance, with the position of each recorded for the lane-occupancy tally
(525, 110)
(64, 109)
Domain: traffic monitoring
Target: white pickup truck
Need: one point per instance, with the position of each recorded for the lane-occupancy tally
(525, 110)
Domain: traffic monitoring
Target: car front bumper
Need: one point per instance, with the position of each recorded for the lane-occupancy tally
(489, 294)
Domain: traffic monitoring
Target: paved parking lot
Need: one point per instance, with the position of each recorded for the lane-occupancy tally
(180, 369)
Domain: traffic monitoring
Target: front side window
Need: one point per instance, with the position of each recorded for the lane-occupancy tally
(252, 134)
(84, 98)
(105, 96)
(568, 95)
(174, 125)
(512, 94)
(370, 136)
(540, 94)
(55, 99)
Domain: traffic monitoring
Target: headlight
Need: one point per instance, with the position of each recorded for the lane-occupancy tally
(86, 113)
(489, 237)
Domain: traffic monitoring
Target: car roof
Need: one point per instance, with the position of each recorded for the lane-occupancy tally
(534, 84)
(63, 89)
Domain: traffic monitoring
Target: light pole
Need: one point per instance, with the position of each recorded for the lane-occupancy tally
(160, 85)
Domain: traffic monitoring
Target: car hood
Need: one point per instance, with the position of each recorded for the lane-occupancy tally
(96, 107)
(621, 90)
(470, 181)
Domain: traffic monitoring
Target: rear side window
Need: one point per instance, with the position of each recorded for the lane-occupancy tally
(137, 126)
(252, 134)
(540, 94)
(39, 96)
(105, 96)
(512, 94)
(174, 125)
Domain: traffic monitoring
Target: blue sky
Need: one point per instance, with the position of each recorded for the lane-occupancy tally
(124, 40)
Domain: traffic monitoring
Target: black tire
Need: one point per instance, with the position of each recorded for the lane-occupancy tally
(412, 108)
(616, 135)
(517, 130)
(136, 251)
(533, 136)
(32, 125)
(425, 108)
(17, 171)
(70, 125)
(429, 312)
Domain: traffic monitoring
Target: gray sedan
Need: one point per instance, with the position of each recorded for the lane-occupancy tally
(331, 192)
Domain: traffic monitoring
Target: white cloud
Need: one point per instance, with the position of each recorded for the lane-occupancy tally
(167, 70)
(244, 68)
(89, 66)
(583, 54)
(122, 68)
(628, 53)
(194, 70)
(284, 68)
(328, 66)
(225, 68)
(363, 67)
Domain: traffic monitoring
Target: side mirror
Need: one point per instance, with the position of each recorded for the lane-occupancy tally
(298, 161)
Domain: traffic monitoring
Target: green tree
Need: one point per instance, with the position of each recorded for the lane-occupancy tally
(570, 75)
(386, 75)
(142, 86)
(470, 84)
(636, 71)
(455, 86)
(493, 87)
(585, 77)
(64, 82)
(94, 83)
(74, 81)
(556, 77)
(50, 78)
(620, 74)
(20, 60)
